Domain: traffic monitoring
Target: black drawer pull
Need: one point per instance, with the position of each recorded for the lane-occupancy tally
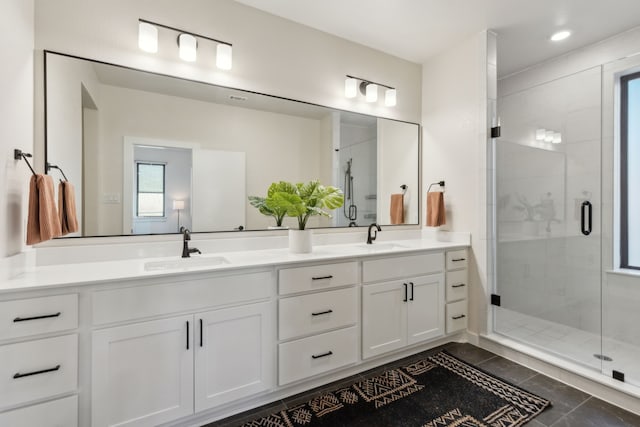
(406, 293)
(458, 259)
(187, 335)
(462, 316)
(322, 277)
(458, 286)
(318, 356)
(46, 316)
(201, 332)
(28, 374)
(320, 313)
(411, 299)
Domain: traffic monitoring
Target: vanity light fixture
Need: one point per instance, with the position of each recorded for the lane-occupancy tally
(187, 43)
(560, 35)
(369, 89)
(178, 205)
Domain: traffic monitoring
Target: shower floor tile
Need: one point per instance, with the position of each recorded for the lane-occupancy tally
(571, 343)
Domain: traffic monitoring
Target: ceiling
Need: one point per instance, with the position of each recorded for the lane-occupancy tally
(418, 29)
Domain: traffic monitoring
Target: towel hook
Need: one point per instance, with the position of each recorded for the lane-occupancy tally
(50, 166)
(20, 155)
(440, 183)
(404, 189)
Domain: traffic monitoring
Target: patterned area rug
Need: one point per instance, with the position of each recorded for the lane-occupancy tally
(437, 391)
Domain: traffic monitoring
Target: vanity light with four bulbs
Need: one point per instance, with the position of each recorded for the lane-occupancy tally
(187, 43)
(369, 89)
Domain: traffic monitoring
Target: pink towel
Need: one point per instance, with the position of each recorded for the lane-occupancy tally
(67, 207)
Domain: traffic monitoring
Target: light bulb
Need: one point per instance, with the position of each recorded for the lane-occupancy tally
(350, 87)
(224, 56)
(188, 45)
(557, 138)
(372, 92)
(548, 136)
(560, 35)
(147, 37)
(390, 97)
(540, 134)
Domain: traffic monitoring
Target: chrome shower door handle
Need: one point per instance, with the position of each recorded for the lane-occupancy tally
(586, 210)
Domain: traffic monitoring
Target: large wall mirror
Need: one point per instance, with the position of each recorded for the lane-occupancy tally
(149, 153)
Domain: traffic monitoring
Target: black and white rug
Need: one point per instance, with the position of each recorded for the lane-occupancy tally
(438, 391)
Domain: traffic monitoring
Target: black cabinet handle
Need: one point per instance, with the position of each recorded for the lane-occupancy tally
(318, 356)
(462, 316)
(411, 299)
(187, 335)
(319, 313)
(200, 332)
(46, 316)
(405, 292)
(458, 286)
(28, 374)
(458, 259)
(583, 224)
(322, 277)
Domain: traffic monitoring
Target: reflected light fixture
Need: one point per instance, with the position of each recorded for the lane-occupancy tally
(540, 134)
(187, 43)
(188, 47)
(369, 89)
(178, 205)
(147, 37)
(548, 136)
(560, 35)
(557, 138)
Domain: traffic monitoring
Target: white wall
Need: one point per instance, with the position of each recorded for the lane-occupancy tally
(454, 117)
(16, 125)
(271, 55)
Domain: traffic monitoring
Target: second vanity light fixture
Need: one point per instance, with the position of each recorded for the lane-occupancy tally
(187, 43)
(369, 89)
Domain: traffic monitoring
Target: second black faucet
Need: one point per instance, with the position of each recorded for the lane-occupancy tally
(370, 238)
(186, 236)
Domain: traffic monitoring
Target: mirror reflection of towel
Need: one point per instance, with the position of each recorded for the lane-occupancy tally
(397, 209)
(435, 209)
(67, 207)
(42, 222)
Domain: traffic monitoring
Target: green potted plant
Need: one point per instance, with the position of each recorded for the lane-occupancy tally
(278, 213)
(302, 201)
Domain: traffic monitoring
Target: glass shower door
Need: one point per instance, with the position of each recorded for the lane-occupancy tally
(547, 217)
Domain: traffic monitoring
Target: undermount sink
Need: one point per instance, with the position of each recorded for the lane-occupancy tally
(375, 247)
(185, 263)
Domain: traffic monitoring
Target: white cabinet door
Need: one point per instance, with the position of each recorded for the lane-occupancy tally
(384, 318)
(142, 374)
(235, 354)
(426, 308)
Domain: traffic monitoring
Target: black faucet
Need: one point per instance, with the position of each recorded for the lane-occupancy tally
(186, 236)
(370, 239)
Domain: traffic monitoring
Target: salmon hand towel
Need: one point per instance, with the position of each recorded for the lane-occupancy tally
(397, 209)
(43, 222)
(67, 207)
(435, 209)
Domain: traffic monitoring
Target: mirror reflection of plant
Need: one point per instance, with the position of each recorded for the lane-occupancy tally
(303, 201)
(278, 213)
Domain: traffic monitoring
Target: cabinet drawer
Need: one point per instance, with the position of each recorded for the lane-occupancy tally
(457, 259)
(57, 413)
(392, 268)
(38, 369)
(24, 317)
(309, 314)
(456, 316)
(138, 302)
(317, 354)
(316, 277)
(457, 285)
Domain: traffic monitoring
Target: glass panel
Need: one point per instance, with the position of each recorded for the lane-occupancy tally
(632, 155)
(150, 178)
(150, 204)
(547, 175)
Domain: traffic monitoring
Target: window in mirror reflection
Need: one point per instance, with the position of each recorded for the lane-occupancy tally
(150, 190)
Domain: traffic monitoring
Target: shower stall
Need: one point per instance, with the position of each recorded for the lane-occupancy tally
(556, 285)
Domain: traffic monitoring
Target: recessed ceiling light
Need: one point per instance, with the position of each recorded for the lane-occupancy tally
(560, 35)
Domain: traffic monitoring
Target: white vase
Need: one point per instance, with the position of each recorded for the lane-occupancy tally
(300, 241)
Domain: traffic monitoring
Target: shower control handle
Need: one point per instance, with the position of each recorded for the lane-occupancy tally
(586, 223)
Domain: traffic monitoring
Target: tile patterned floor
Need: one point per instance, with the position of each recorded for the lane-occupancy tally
(571, 343)
(571, 407)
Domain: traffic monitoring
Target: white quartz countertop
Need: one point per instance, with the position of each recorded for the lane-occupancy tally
(100, 272)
